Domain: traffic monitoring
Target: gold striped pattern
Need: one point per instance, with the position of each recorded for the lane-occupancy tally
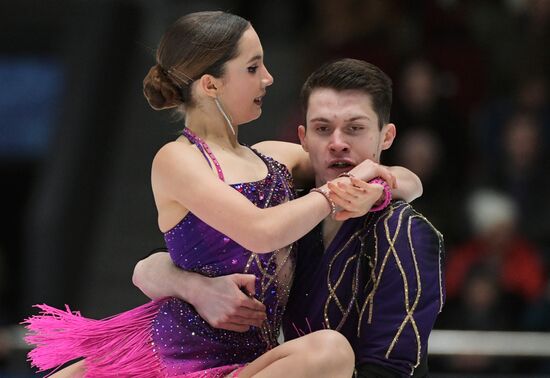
(378, 261)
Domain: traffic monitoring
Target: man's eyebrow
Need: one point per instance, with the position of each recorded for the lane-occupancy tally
(255, 57)
(358, 118)
(351, 119)
(319, 119)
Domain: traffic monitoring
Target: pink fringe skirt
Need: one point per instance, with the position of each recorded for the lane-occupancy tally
(117, 346)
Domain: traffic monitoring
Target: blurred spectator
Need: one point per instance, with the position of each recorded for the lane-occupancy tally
(420, 103)
(514, 36)
(520, 169)
(492, 280)
(492, 277)
(482, 305)
(421, 151)
(530, 96)
(372, 30)
(434, 144)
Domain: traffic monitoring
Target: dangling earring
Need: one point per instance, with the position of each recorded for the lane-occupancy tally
(224, 114)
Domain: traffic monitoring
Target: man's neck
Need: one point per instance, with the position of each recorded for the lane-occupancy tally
(330, 229)
(330, 226)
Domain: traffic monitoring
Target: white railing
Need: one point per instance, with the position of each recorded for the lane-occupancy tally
(489, 343)
(442, 342)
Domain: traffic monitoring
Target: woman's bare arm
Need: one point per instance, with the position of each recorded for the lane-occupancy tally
(408, 185)
(181, 174)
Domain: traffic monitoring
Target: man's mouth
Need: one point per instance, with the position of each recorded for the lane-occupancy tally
(341, 164)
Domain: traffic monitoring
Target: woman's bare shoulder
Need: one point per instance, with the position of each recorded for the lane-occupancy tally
(174, 153)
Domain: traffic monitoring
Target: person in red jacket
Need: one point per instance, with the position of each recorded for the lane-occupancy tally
(497, 255)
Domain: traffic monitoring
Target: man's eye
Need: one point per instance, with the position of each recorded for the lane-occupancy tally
(252, 69)
(322, 129)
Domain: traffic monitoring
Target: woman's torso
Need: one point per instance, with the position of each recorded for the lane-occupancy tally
(185, 341)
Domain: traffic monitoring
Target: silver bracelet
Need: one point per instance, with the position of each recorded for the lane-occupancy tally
(325, 192)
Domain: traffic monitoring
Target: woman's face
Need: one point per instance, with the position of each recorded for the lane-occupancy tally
(245, 80)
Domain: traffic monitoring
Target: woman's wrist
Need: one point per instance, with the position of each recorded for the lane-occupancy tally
(385, 197)
(324, 191)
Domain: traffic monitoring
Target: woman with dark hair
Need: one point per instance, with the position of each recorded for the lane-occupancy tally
(223, 208)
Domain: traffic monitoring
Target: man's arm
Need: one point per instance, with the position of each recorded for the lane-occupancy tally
(405, 296)
(221, 301)
(409, 186)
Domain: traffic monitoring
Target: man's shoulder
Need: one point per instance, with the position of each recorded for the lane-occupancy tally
(400, 209)
(402, 215)
(402, 228)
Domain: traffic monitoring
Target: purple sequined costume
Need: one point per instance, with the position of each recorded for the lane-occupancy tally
(168, 337)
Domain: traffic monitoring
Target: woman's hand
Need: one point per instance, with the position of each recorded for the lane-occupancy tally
(354, 198)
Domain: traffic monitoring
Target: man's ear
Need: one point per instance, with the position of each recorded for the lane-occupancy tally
(302, 136)
(388, 135)
(209, 85)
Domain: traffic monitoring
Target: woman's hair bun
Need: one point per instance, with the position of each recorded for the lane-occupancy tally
(160, 91)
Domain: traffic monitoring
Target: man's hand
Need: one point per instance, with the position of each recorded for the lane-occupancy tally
(354, 198)
(368, 170)
(224, 302)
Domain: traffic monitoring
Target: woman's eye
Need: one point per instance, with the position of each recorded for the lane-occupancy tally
(252, 69)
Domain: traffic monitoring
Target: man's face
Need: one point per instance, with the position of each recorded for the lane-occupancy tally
(342, 131)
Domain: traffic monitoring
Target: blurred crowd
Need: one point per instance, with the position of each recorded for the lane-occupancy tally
(472, 109)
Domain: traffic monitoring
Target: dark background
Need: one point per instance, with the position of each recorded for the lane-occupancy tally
(77, 139)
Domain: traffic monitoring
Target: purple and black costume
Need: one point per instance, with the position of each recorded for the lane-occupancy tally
(168, 337)
(379, 283)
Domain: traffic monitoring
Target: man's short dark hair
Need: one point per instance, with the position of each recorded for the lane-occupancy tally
(353, 74)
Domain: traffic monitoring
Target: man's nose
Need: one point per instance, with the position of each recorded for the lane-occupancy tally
(338, 142)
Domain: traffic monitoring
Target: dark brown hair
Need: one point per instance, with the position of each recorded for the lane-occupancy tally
(196, 44)
(352, 74)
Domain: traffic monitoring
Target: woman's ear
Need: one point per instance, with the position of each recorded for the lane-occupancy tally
(209, 85)
(388, 135)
